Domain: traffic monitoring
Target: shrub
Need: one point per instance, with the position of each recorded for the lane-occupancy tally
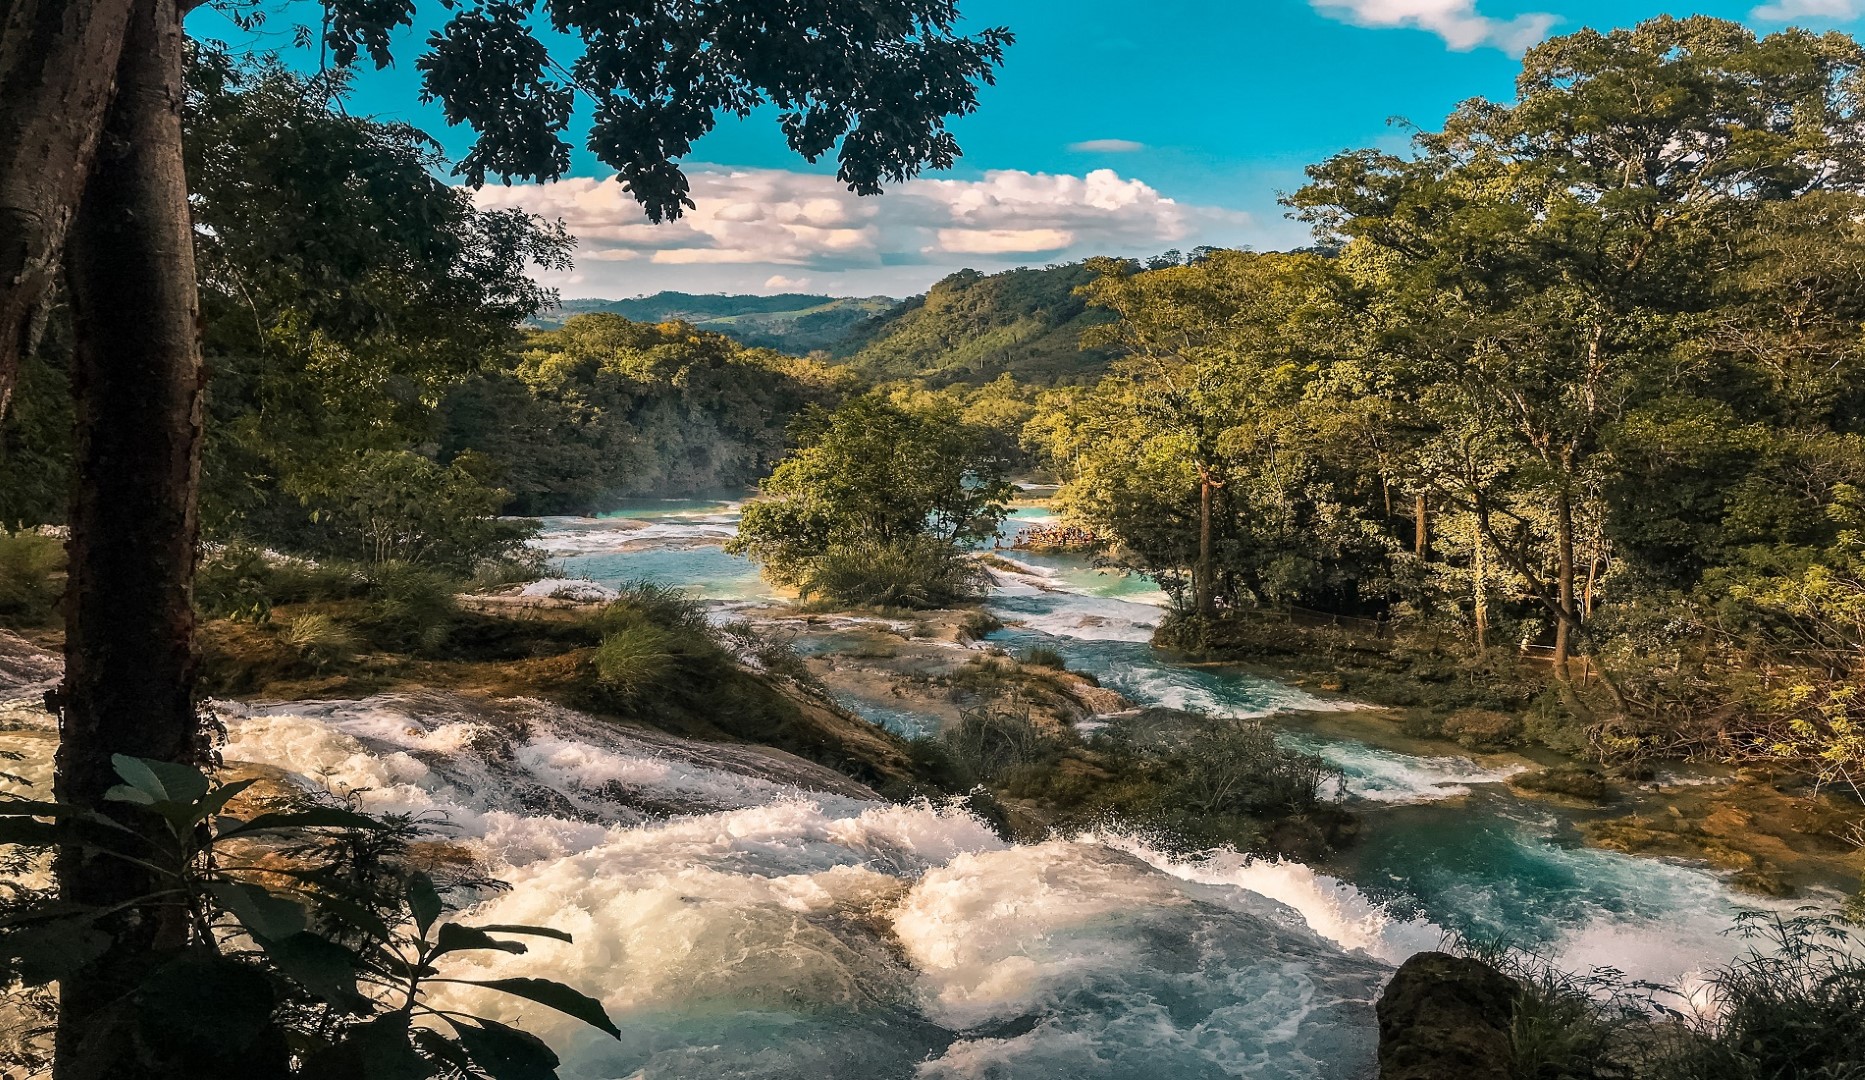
(243, 581)
(411, 608)
(397, 506)
(663, 605)
(918, 573)
(1793, 1007)
(772, 654)
(1234, 766)
(1044, 657)
(635, 658)
(988, 743)
(262, 965)
(978, 625)
(31, 578)
(319, 638)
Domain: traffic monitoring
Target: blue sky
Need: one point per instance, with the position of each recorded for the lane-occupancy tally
(1115, 127)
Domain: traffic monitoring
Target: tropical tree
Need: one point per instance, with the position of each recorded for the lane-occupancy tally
(1546, 254)
(880, 486)
(1217, 354)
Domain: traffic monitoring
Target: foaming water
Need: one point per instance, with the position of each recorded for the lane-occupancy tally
(747, 914)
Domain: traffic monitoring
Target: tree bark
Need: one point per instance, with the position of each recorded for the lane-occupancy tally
(58, 69)
(1421, 540)
(1204, 599)
(1568, 617)
(136, 379)
(1480, 595)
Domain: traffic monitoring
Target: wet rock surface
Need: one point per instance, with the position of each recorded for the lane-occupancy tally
(1445, 1017)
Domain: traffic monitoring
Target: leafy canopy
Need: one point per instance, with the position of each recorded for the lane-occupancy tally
(874, 474)
(880, 80)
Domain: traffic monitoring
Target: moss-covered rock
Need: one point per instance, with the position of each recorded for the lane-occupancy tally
(1566, 781)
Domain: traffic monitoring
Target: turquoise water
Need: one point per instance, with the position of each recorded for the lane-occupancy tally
(1444, 842)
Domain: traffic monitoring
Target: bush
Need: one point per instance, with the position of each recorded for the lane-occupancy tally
(411, 608)
(397, 506)
(1221, 765)
(1793, 1007)
(918, 573)
(978, 625)
(988, 743)
(662, 605)
(31, 578)
(319, 638)
(635, 658)
(243, 581)
(1044, 657)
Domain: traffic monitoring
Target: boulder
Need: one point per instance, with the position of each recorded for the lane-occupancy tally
(1446, 1017)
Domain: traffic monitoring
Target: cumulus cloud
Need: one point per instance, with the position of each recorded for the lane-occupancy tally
(1107, 146)
(1456, 21)
(780, 283)
(774, 228)
(1788, 10)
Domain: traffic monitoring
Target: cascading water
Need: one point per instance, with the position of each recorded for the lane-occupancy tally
(743, 913)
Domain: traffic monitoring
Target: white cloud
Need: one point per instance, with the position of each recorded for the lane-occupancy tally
(1788, 10)
(1107, 146)
(1456, 21)
(774, 229)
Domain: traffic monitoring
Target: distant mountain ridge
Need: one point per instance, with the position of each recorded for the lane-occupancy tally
(972, 327)
(795, 323)
(969, 327)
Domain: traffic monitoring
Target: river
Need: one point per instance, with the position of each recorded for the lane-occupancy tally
(751, 916)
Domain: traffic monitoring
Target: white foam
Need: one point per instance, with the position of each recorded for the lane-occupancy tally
(1329, 906)
(581, 590)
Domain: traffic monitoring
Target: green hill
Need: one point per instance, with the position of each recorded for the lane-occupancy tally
(972, 327)
(795, 323)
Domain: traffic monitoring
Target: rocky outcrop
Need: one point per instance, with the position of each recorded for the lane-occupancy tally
(1446, 1017)
(26, 667)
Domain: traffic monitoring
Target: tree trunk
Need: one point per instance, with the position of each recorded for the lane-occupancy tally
(1568, 617)
(58, 61)
(1479, 572)
(1204, 599)
(136, 378)
(1421, 540)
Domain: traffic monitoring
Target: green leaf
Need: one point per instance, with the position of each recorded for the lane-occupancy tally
(455, 937)
(159, 781)
(557, 996)
(261, 911)
(323, 817)
(440, 1047)
(506, 1053)
(324, 969)
(381, 1049)
(222, 795)
(204, 1004)
(423, 901)
(534, 931)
